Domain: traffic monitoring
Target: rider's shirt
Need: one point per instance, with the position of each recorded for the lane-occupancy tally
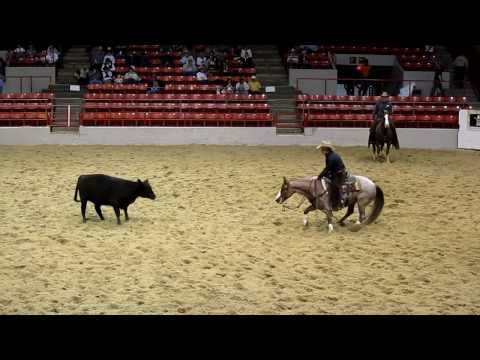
(334, 165)
(381, 106)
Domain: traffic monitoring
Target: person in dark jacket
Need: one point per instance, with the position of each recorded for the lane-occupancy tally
(335, 171)
(381, 106)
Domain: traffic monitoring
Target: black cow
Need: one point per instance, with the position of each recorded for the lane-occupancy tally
(107, 190)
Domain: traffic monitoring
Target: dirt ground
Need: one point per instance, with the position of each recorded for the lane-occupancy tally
(215, 242)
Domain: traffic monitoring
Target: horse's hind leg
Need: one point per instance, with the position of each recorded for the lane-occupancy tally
(374, 150)
(330, 220)
(361, 212)
(305, 214)
(349, 212)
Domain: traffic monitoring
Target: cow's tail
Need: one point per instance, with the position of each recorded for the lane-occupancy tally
(76, 191)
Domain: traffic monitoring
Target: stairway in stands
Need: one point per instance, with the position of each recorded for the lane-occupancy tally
(271, 72)
(75, 58)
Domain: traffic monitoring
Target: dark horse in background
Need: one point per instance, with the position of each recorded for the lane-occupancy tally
(383, 134)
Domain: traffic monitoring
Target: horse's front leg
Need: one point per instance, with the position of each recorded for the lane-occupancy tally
(330, 220)
(388, 153)
(374, 150)
(305, 214)
(349, 212)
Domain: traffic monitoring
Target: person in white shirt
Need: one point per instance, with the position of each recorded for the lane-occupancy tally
(242, 87)
(52, 55)
(460, 65)
(19, 49)
(246, 57)
(202, 75)
(186, 58)
(189, 68)
(201, 61)
(228, 89)
(109, 56)
(131, 76)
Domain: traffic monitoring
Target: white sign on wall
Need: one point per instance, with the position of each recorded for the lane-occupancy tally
(469, 129)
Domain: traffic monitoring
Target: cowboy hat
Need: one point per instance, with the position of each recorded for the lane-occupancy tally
(384, 94)
(325, 144)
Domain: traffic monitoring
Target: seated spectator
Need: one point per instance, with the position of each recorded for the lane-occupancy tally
(255, 85)
(228, 88)
(82, 76)
(108, 65)
(97, 57)
(94, 76)
(292, 58)
(242, 87)
(156, 87)
(131, 77)
(52, 55)
(3, 66)
(189, 68)
(118, 79)
(202, 75)
(246, 57)
(201, 61)
(109, 56)
(19, 50)
(2, 83)
(186, 58)
(31, 50)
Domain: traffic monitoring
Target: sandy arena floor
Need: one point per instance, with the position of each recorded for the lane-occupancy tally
(214, 241)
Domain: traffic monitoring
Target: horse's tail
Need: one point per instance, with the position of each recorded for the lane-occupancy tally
(377, 207)
(76, 191)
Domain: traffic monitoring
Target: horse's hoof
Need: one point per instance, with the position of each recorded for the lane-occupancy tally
(330, 228)
(84, 221)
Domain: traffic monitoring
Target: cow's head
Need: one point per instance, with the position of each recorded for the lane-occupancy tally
(145, 190)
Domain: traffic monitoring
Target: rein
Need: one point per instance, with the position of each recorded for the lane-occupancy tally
(304, 197)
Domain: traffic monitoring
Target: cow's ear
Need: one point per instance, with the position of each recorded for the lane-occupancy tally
(285, 181)
(146, 182)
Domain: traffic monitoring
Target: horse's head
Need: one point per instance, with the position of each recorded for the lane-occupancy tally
(285, 192)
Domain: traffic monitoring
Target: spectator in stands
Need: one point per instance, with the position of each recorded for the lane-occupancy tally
(31, 51)
(2, 83)
(242, 87)
(228, 89)
(82, 76)
(201, 61)
(437, 80)
(202, 75)
(109, 56)
(131, 77)
(155, 88)
(52, 55)
(19, 50)
(97, 57)
(94, 76)
(118, 79)
(186, 58)
(212, 62)
(460, 67)
(107, 71)
(255, 85)
(246, 57)
(3, 66)
(189, 68)
(292, 58)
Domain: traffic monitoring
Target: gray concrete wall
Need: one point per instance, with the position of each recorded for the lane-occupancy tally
(28, 79)
(3, 54)
(409, 138)
(424, 80)
(309, 80)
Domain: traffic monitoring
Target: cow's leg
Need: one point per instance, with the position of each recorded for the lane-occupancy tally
(126, 213)
(305, 214)
(84, 208)
(99, 211)
(349, 212)
(117, 213)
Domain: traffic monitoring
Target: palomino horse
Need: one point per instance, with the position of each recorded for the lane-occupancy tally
(363, 192)
(384, 133)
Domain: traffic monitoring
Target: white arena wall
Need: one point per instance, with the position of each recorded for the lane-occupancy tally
(409, 138)
(469, 136)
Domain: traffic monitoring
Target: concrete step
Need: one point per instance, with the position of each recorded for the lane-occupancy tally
(289, 131)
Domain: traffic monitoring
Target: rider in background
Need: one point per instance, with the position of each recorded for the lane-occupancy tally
(378, 112)
(335, 171)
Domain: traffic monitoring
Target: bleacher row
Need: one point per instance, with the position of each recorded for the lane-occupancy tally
(356, 111)
(174, 97)
(172, 71)
(26, 109)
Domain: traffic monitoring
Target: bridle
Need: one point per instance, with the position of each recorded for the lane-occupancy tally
(284, 206)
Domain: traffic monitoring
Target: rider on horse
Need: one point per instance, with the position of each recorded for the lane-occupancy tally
(335, 171)
(381, 107)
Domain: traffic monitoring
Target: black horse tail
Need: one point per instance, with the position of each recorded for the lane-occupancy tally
(76, 191)
(377, 207)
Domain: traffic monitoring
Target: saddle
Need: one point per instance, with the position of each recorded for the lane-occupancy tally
(348, 188)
